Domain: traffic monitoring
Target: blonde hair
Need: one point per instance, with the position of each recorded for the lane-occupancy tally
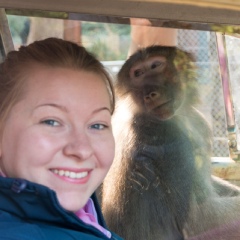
(51, 52)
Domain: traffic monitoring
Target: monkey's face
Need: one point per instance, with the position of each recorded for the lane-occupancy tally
(155, 87)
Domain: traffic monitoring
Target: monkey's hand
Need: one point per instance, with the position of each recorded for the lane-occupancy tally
(143, 175)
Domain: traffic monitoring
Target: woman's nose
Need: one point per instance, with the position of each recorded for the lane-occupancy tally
(78, 146)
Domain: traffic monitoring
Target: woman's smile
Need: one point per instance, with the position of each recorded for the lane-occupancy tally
(73, 176)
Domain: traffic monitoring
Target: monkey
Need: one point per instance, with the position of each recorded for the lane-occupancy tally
(160, 184)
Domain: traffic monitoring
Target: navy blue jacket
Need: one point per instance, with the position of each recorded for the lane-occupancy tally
(30, 211)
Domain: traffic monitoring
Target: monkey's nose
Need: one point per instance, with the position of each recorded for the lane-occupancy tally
(152, 96)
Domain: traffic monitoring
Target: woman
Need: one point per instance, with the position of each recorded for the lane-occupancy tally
(56, 142)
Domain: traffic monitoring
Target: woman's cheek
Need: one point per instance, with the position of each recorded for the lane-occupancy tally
(44, 147)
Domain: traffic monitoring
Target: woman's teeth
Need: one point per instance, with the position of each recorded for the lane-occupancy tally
(70, 174)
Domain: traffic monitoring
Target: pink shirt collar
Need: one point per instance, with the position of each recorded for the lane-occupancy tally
(88, 215)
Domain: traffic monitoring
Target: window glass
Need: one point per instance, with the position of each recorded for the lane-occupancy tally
(170, 156)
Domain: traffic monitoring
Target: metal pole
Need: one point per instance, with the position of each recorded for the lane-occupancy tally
(227, 95)
(5, 32)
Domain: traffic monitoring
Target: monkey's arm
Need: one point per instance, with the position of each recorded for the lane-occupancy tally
(225, 188)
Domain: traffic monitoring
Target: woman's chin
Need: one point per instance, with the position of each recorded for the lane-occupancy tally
(72, 202)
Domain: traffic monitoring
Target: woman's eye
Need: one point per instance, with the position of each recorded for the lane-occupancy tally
(51, 122)
(98, 126)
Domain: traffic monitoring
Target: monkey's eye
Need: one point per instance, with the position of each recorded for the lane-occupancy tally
(156, 64)
(138, 72)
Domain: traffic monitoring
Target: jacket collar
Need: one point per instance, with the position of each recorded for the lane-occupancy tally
(39, 204)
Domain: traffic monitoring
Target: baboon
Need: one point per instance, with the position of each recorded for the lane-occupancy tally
(160, 184)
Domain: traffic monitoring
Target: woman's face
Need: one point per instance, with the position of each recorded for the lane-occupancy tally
(59, 134)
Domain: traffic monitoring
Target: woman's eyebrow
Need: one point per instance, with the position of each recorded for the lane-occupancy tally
(102, 109)
(52, 105)
(65, 109)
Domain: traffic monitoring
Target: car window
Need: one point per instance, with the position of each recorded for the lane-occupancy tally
(177, 119)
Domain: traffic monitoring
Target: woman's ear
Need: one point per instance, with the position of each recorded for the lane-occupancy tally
(1, 134)
(0, 145)
(1, 172)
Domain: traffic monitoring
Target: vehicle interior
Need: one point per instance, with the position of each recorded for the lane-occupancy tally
(207, 33)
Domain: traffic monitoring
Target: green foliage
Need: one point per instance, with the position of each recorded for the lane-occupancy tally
(91, 29)
(98, 33)
(225, 29)
(102, 52)
(97, 36)
(18, 27)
